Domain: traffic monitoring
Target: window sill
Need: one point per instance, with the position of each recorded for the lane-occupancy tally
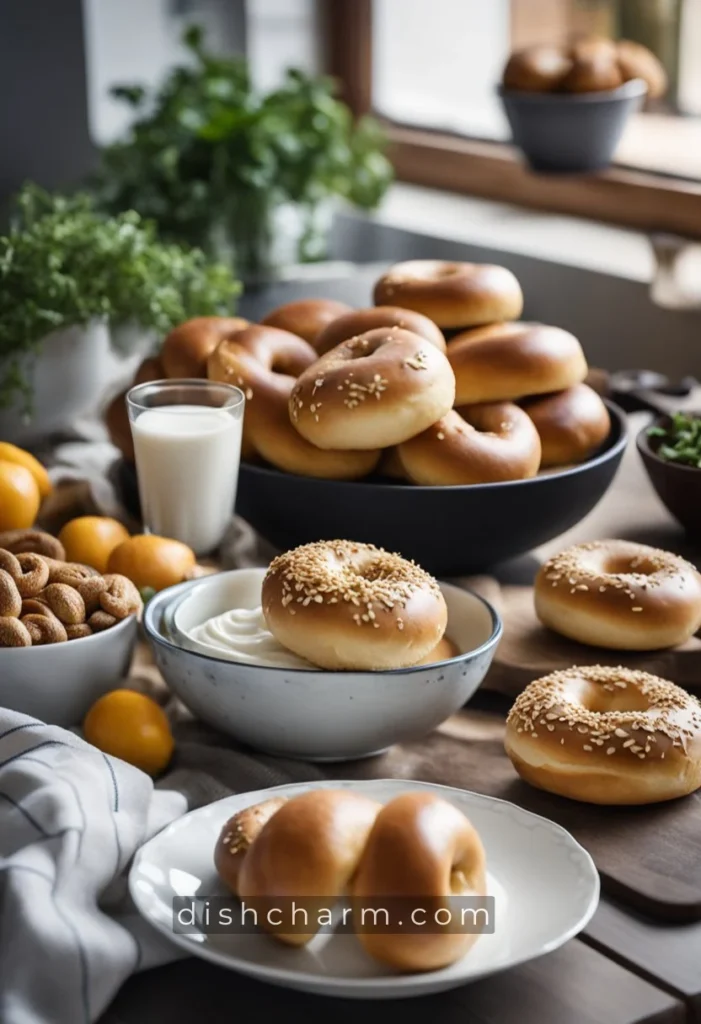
(637, 199)
(560, 239)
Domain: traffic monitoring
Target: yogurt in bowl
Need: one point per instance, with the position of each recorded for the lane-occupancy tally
(218, 664)
(242, 634)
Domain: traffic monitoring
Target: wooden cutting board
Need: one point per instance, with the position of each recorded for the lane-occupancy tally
(529, 650)
(648, 857)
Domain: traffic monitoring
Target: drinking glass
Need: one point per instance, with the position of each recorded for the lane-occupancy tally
(187, 445)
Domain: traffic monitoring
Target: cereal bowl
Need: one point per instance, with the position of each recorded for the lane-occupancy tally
(58, 683)
(313, 714)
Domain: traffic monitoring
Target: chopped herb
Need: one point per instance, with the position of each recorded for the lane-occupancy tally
(680, 441)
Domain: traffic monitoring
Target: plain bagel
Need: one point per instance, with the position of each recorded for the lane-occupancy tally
(452, 294)
(508, 362)
(477, 444)
(422, 851)
(305, 856)
(572, 424)
(306, 317)
(187, 348)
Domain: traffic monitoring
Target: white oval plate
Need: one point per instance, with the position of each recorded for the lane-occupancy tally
(545, 886)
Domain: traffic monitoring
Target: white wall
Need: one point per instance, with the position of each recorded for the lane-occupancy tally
(137, 41)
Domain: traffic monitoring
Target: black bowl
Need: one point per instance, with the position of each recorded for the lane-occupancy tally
(678, 487)
(570, 132)
(450, 531)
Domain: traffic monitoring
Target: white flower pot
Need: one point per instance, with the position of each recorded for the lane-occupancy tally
(69, 376)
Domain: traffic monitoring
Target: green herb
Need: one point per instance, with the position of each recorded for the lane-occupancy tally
(65, 263)
(209, 156)
(681, 440)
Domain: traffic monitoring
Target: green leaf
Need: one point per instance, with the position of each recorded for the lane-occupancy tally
(65, 262)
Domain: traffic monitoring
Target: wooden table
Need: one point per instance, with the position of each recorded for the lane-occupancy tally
(623, 969)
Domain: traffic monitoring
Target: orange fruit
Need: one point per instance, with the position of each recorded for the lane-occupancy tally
(19, 497)
(90, 540)
(131, 726)
(151, 561)
(11, 453)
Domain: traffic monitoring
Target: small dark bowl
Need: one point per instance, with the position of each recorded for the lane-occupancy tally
(678, 487)
(450, 531)
(570, 132)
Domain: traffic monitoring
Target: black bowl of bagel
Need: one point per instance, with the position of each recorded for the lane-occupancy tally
(368, 423)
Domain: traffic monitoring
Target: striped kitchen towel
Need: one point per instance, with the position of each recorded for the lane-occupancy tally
(71, 819)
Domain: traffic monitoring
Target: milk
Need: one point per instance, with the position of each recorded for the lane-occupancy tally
(187, 460)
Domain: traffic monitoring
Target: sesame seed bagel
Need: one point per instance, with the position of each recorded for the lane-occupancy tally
(476, 444)
(618, 594)
(358, 321)
(507, 362)
(264, 362)
(352, 606)
(238, 836)
(606, 736)
(306, 317)
(373, 391)
(452, 294)
(571, 424)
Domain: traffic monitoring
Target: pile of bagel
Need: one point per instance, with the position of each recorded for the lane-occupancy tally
(588, 64)
(341, 393)
(413, 861)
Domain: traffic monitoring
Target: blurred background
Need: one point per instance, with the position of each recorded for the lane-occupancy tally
(424, 64)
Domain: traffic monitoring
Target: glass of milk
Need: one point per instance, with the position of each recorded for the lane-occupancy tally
(187, 442)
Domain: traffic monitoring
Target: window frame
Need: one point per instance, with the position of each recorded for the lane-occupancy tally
(492, 170)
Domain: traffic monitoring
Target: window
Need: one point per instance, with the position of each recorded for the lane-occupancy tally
(429, 69)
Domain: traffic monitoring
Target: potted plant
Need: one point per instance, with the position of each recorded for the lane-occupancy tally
(81, 292)
(239, 172)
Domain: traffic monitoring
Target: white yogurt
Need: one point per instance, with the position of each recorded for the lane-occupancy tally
(242, 635)
(187, 460)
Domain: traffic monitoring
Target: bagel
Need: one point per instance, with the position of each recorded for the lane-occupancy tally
(476, 444)
(263, 362)
(306, 318)
(237, 837)
(538, 68)
(117, 416)
(507, 362)
(636, 61)
(187, 348)
(572, 424)
(451, 294)
(305, 857)
(361, 320)
(351, 606)
(606, 736)
(423, 852)
(595, 67)
(615, 593)
(372, 391)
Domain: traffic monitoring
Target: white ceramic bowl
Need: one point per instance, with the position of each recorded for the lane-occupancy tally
(310, 713)
(58, 683)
